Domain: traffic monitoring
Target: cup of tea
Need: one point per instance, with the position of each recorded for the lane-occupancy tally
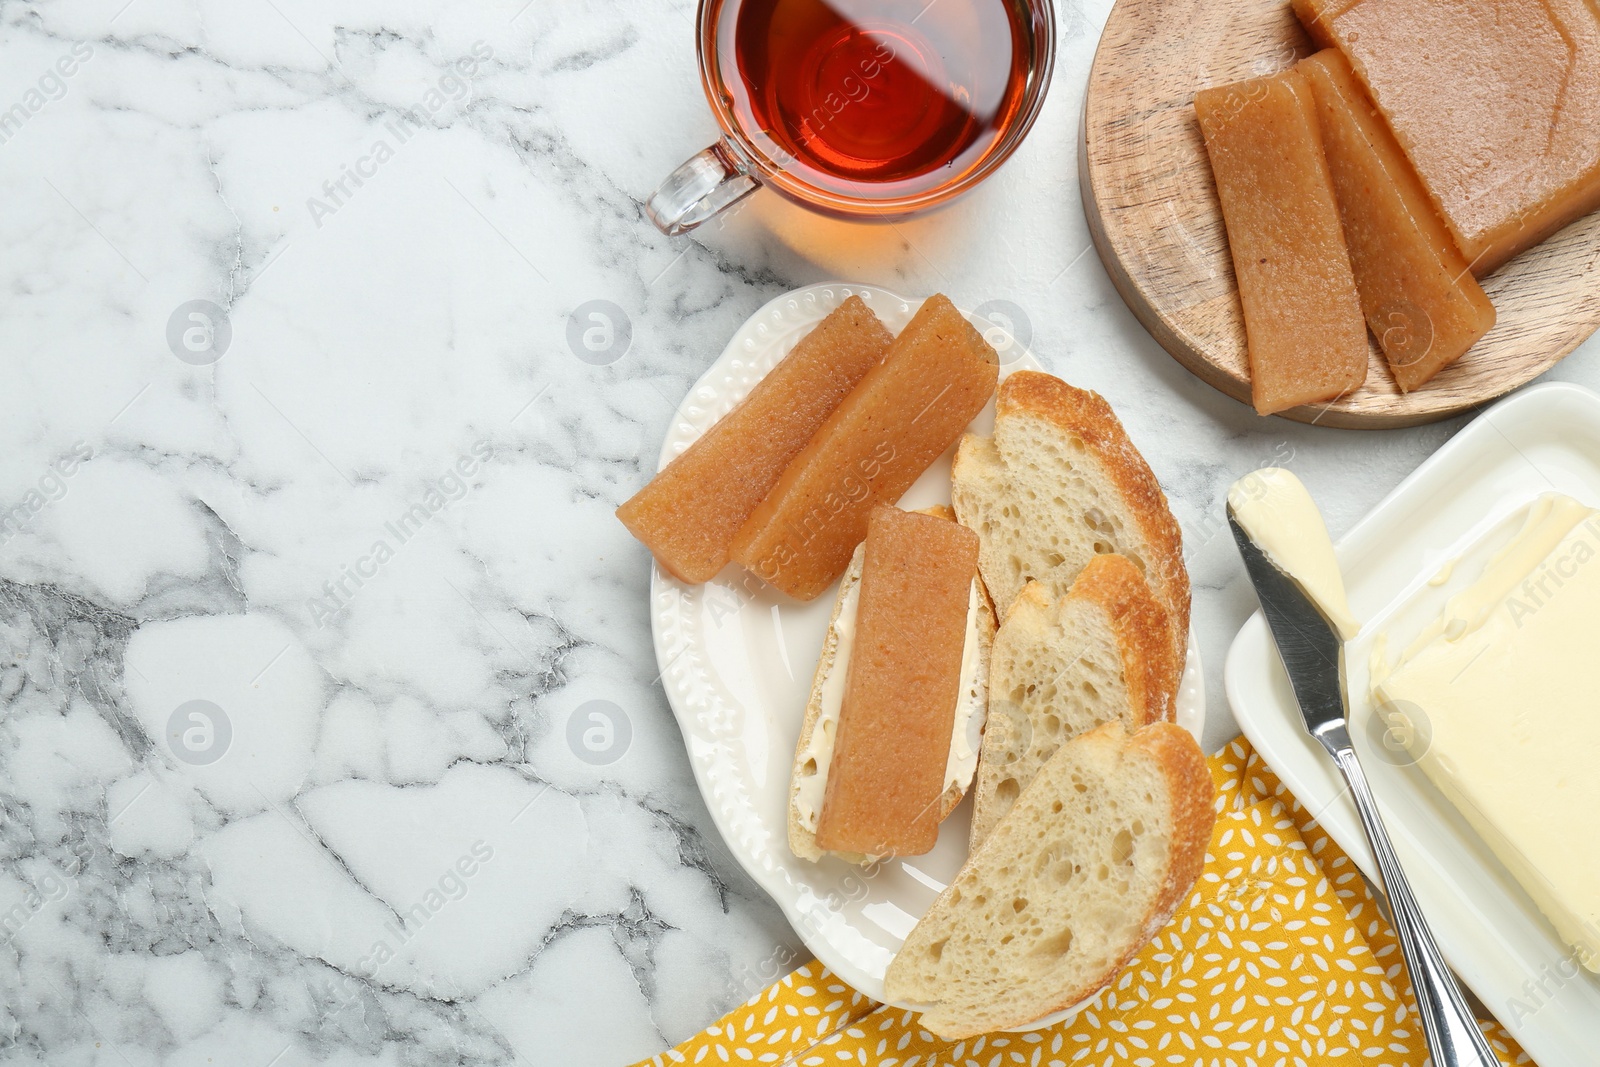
(860, 108)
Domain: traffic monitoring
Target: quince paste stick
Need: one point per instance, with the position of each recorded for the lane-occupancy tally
(938, 375)
(1421, 300)
(886, 781)
(1306, 336)
(689, 513)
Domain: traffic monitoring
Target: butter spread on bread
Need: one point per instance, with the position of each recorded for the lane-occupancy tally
(816, 750)
(901, 657)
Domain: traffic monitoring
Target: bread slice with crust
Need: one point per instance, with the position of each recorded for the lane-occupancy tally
(1086, 869)
(802, 839)
(1063, 666)
(1058, 483)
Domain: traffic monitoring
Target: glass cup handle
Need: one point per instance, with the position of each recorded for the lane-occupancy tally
(703, 186)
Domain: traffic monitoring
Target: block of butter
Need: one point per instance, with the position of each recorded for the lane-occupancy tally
(1506, 685)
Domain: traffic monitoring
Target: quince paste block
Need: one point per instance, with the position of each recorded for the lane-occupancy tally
(1422, 302)
(1315, 14)
(1496, 103)
(1307, 339)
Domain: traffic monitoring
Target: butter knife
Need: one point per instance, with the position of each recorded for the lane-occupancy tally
(1313, 655)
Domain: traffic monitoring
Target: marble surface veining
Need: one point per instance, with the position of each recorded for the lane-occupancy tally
(309, 582)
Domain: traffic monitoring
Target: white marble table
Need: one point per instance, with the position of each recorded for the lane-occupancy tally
(308, 568)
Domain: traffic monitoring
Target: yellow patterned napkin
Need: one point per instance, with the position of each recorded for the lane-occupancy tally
(1278, 959)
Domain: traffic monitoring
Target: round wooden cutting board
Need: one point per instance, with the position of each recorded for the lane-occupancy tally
(1152, 208)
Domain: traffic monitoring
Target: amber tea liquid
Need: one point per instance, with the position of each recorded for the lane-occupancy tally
(874, 98)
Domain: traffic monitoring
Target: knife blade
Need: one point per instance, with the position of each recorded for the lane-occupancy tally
(1308, 643)
(1313, 655)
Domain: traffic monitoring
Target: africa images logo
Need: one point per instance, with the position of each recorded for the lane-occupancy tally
(449, 488)
(450, 87)
(47, 489)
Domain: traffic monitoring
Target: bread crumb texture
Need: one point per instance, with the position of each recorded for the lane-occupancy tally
(1277, 957)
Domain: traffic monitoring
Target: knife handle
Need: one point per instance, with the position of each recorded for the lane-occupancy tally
(1453, 1034)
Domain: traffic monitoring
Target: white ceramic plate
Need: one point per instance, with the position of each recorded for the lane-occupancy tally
(737, 658)
(1457, 504)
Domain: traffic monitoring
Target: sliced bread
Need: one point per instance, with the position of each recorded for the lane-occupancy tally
(811, 762)
(1058, 484)
(1084, 872)
(1063, 666)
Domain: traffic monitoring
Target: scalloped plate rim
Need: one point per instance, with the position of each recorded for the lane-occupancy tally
(707, 400)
